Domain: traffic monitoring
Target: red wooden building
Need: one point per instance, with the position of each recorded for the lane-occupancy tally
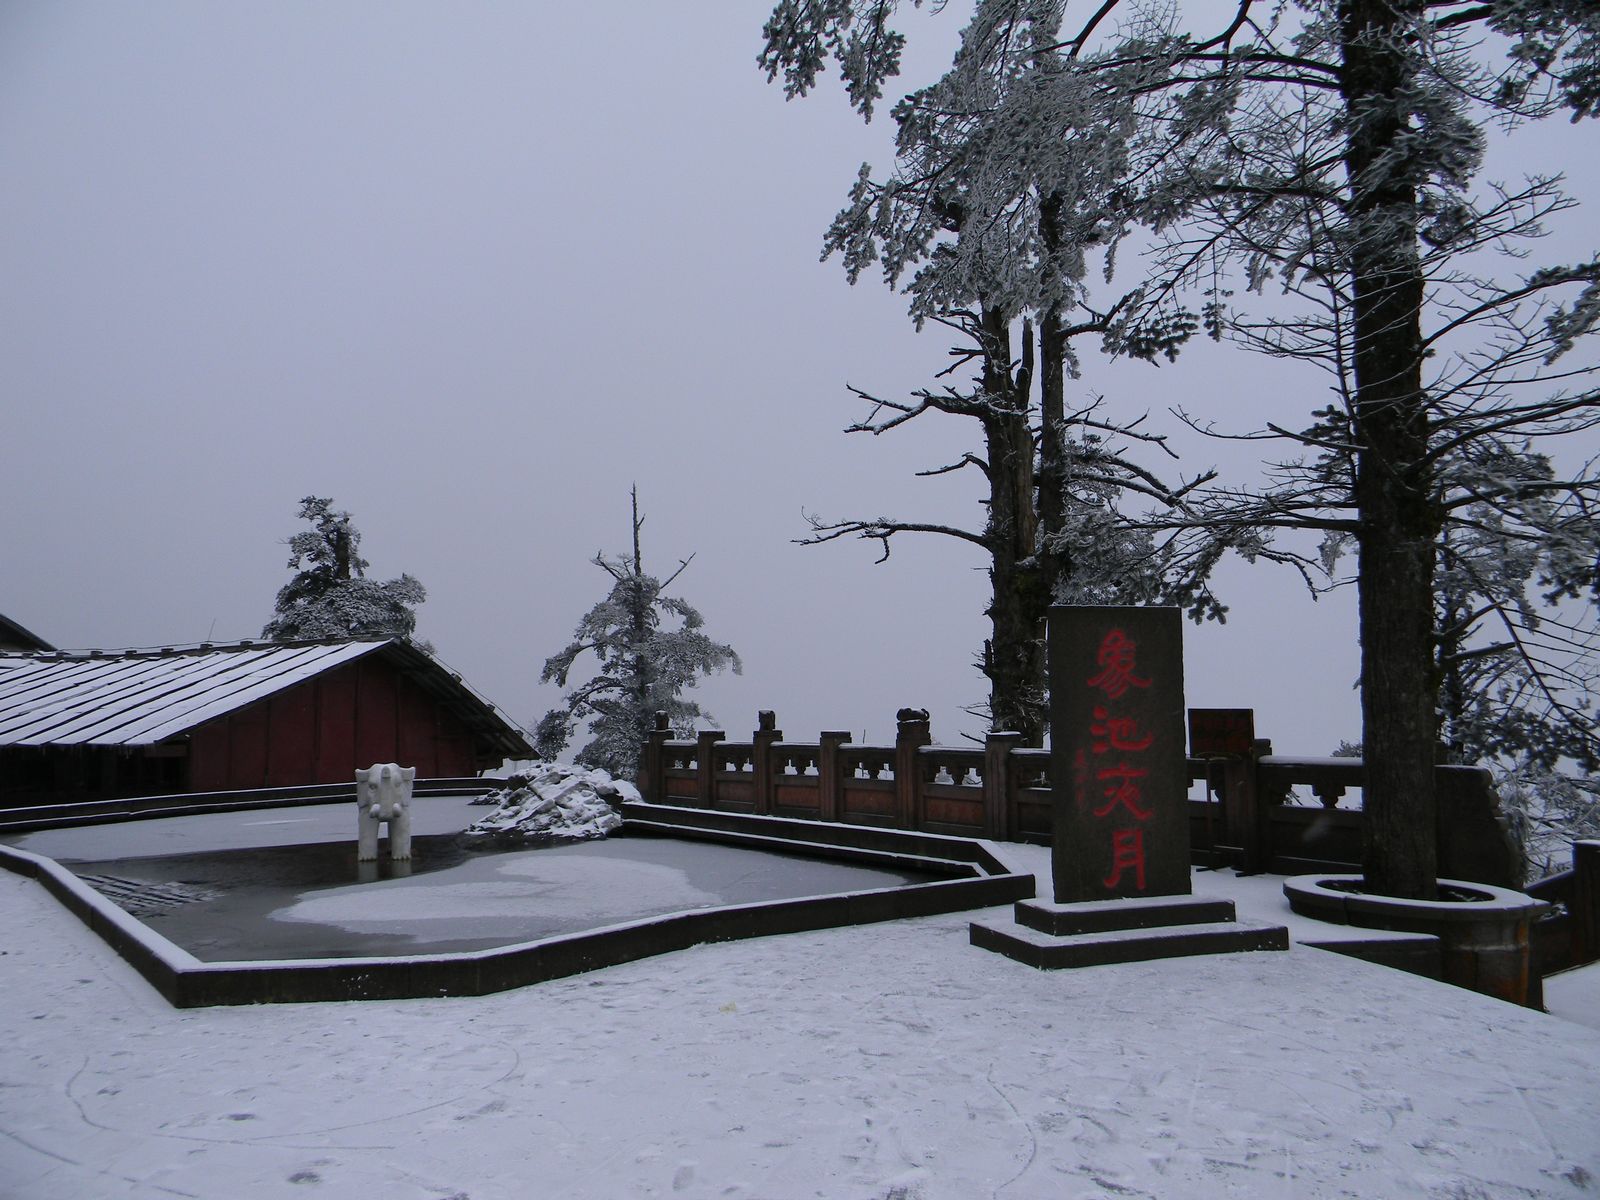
(98, 723)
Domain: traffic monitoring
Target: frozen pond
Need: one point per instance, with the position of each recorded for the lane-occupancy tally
(284, 883)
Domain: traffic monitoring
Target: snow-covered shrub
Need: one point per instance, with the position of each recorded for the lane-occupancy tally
(553, 802)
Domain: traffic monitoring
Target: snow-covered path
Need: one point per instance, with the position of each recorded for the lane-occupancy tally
(877, 1062)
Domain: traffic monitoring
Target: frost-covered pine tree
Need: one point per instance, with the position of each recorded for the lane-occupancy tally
(1518, 652)
(1518, 623)
(648, 648)
(980, 225)
(330, 595)
(1517, 645)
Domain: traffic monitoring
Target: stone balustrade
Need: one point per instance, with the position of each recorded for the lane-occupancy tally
(1258, 812)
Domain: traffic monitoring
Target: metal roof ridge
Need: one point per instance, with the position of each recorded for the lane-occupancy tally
(206, 647)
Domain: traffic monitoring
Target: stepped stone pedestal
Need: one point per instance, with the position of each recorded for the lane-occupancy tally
(1095, 933)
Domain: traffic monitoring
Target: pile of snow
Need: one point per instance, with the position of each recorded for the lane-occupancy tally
(553, 802)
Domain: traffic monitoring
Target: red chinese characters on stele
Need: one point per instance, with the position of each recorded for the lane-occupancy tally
(1116, 738)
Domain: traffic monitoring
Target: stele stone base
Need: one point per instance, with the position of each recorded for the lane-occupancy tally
(1098, 933)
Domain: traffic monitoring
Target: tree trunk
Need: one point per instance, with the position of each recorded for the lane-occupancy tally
(1014, 655)
(1451, 628)
(641, 604)
(341, 553)
(1399, 519)
(1055, 560)
(1052, 411)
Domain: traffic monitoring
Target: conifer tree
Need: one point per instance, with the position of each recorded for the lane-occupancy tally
(648, 648)
(330, 595)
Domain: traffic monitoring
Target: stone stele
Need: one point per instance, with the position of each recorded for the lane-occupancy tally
(1119, 773)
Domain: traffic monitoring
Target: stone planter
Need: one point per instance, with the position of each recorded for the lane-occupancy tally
(1483, 931)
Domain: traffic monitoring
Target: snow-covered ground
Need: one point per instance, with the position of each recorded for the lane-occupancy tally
(887, 1062)
(1575, 995)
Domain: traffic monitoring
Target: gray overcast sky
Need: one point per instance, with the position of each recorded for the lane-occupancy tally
(471, 270)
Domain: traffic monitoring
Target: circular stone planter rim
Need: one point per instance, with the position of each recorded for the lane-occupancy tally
(1499, 903)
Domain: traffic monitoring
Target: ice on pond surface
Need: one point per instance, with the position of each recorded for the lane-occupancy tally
(547, 888)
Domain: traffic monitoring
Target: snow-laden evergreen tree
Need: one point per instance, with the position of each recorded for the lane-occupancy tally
(985, 232)
(1517, 647)
(1329, 148)
(648, 649)
(1518, 652)
(1552, 810)
(330, 595)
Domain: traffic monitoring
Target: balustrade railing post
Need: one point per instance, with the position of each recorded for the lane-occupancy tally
(911, 733)
(705, 765)
(1585, 901)
(1244, 813)
(997, 808)
(830, 774)
(761, 741)
(652, 785)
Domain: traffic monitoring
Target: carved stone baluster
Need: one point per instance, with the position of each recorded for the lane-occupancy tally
(830, 774)
(911, 734)
(706, 758)
(652, 781)
(999, 795)
(767, 732)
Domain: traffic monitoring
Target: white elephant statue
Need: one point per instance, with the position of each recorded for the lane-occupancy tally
(383, 793)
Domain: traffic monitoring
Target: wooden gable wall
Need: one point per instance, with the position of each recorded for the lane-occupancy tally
(321, 730)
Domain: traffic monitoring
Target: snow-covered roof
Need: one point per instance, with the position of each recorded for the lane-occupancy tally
(141, 697)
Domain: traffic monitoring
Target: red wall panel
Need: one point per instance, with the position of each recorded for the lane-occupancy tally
(418, 724)
(292, 733)
(322, 730)
(247, 747)
(336, 726)
(376, 713)
(208, 758)
(455, 750)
